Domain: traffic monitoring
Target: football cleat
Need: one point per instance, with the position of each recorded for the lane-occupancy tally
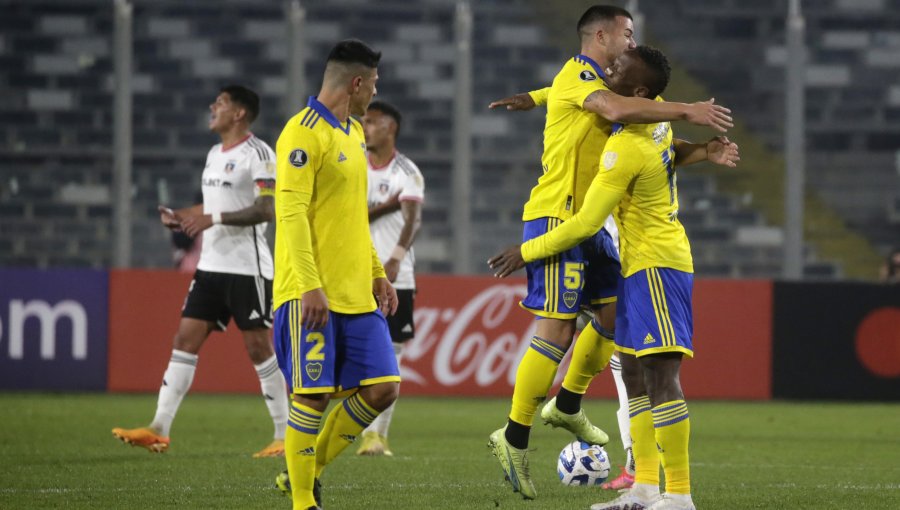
(629, 499)
(374, 444)
(674, 502)
(143, 437)
(577, 424)
(283, 483)
(275, 449)
(623, 481)
(514, 463)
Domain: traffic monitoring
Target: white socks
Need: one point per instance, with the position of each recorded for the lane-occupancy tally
(176, 383)
(274, 390)
(622, 413)
(383, 422)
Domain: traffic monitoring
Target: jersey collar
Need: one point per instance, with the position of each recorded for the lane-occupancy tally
(593, 64)
(326, 114)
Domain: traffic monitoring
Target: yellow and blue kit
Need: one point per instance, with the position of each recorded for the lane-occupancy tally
(636, 180)
(573, 141)
(322, 241)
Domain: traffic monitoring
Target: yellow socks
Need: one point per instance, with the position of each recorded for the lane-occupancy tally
(591, 354)
(646, 458)
(343, 424)
(673, 430)
(533, 379)
(300, 452)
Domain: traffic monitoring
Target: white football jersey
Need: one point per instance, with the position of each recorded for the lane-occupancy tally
(399, 177)
(231, 182)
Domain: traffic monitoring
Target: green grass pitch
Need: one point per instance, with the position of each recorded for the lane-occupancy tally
(56, 451)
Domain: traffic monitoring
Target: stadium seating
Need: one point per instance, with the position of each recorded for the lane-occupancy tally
(57, 117)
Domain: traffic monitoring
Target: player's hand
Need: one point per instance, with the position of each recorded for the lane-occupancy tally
(722, 151)
(386, 295)
(314, 309)
(391, 268)
(507, 262)
(518, 102)
(169, 218)
(193, 225)
(707, 113)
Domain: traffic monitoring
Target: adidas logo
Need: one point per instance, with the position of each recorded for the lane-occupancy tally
(341, 157)
(348, 437)
(407, 329)
(254, 315)
(309, 452)
(649, 339)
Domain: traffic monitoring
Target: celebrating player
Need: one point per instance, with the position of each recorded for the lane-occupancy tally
(330, 335)
(654, 318)
(396, 192)
(234, 275)
(574, 136)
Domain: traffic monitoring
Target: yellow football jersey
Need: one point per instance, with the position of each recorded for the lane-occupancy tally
(573, 140)
(322, 220)
(636, 181)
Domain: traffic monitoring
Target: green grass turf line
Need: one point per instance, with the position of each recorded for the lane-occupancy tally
(56, 451)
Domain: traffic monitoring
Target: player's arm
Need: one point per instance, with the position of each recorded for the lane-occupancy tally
(299, 160)
(392, 204)
(412, 221)
(261, 211)
(639, 110)
(523, 102)
(719, 150)
(600, 200)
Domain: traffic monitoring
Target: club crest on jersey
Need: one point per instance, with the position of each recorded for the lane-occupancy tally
(609, 159)
(587, 76)
(314, 370)
(298, 158)
(570, 298)
(383, 187)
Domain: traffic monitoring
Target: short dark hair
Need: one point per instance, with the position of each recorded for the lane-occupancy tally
(658, 66)
(600, 13)
(354, 51)
(389, 110)
(244, 97)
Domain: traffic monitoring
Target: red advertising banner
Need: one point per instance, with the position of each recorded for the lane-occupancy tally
(470, 335)
(144, 311)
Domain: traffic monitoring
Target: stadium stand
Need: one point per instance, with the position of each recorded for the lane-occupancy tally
(56, 128)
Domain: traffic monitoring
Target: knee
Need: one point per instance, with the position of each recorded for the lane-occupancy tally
(381, 396)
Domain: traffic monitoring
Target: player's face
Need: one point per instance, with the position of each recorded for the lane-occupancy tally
(622, 76)
(619, 37)
(360, 99)
(377, 127)
(222, 113)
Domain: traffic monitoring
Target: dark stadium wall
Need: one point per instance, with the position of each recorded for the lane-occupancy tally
(836, 341)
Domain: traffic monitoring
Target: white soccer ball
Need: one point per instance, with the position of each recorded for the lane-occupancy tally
(581, 463)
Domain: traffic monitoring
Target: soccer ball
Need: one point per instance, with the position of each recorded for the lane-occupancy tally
(581, 463)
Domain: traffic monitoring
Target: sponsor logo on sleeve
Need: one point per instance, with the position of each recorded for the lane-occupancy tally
(609, 159)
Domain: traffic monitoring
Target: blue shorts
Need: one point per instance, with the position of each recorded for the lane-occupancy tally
(352, 350)
(654, 314)
(586, 275)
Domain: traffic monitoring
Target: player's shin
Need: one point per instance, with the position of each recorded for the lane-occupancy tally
(175, 385)
(673, 429)
(271, 382)
(343, 425)
(590, 356)
(300, 452)
(643, 438)
(534, 378)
